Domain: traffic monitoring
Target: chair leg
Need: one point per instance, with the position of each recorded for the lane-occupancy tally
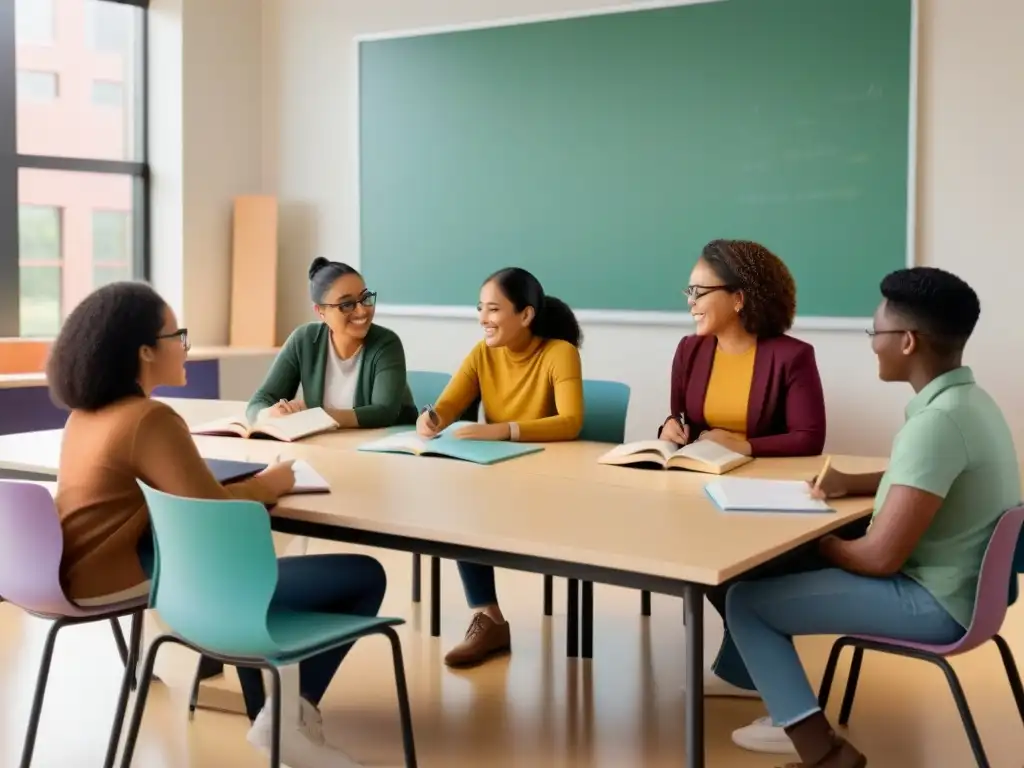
(127, 684)
(1012, 674)
(275, 717)
(37, 698)
(587, 621)
(645, 603)
(122, 648)
(965, 711)
(828, 676)
(435, 597)
(851, 685)
(416, 577)
(572, 618)
(206, 668)
(549, 595)
(135, 647)
(140, 700)
(404, 711)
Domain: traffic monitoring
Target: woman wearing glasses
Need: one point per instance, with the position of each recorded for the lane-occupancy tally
(348, 366)
(741, 382)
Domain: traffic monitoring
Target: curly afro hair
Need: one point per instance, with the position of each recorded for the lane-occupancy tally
(937, 303)
(769, 292)
(95, 359)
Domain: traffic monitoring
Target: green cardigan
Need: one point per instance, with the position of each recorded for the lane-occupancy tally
(382, 398)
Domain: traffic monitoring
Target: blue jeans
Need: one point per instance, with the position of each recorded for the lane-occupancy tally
(478, 584)
(763, 617)
(352, 584)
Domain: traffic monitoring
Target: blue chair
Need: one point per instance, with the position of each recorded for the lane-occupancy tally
(604, 421)
(215, 575)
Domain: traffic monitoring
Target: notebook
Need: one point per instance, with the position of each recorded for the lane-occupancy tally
(308, 480)
(699, 456)
(232, 471)
(444, 445)
(747, 494)
(294, 426)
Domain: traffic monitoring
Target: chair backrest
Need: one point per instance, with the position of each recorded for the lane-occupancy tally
(427, 386)
(31, 547)
(606, 403)
(996, 570)
(215, 571)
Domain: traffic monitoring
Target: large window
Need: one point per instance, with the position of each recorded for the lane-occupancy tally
(74, 179)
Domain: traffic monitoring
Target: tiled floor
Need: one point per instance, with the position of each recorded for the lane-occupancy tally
(534, 710)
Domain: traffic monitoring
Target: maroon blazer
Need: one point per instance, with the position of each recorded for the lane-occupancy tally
(786, 413)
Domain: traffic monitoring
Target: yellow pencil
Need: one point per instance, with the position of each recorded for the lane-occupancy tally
(824, 469)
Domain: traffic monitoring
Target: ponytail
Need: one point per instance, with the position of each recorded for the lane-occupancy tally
(552, 317)
(555, 320)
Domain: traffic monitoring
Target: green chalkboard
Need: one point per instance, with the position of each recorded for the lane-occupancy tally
(602, 152)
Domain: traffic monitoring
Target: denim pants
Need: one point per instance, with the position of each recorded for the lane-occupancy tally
(478, 584)
(352, 584)
(764, 616)
(728, 664)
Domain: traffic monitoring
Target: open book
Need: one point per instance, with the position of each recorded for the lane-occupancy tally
(699, 456)
(476, 451)
(747, 494)
(294, 426)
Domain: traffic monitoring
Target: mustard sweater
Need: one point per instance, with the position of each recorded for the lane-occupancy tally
(539, 388)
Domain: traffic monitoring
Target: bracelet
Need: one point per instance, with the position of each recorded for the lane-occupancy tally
(513, 432)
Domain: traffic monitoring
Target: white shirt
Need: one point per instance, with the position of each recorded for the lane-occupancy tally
(340, 379)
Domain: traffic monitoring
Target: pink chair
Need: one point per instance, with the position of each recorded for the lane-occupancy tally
(989, 611)
(31, 546)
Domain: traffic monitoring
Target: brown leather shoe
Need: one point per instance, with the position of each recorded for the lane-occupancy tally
(484, 638)
(820, 747)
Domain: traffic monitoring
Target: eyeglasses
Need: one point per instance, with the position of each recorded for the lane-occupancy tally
(347, 307)
(872, 332)
(181, 335)
(697, 291)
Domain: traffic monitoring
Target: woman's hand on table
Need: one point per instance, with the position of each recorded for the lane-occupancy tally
(675, 432)
(279, 477)
(484, 432)
(727, 439)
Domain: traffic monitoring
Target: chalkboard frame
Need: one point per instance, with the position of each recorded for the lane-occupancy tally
(619, 316)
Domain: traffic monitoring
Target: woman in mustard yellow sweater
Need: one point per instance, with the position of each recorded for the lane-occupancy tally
(527, 374)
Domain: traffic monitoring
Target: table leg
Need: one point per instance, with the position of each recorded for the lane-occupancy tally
(693, 611)
(587, 620)
(435, 597)
(572, 618)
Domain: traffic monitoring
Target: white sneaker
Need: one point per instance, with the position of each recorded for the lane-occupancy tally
(302, 743)
(763, 736)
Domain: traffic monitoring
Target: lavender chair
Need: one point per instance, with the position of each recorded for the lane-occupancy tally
(31, 545)
(989, 611)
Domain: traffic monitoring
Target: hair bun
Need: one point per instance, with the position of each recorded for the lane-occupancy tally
(318, 263)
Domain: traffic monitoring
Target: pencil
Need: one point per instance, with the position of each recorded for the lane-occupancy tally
(824, 470)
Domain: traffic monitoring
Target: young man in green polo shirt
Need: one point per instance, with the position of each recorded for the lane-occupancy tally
(913, 575)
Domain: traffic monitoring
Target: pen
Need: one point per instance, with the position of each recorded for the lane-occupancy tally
(824, 470)
(429, 410)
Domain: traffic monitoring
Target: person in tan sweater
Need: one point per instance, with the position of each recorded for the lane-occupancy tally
(114, 349)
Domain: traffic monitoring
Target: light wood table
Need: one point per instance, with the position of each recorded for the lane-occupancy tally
(512, 516)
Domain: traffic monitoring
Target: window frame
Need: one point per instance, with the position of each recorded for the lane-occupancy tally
(11, 162)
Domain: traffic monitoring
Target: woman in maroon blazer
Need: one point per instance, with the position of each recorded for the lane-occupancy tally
(740, 381)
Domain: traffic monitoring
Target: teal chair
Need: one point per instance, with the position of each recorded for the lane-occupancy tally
(215, 575)
(604, 421)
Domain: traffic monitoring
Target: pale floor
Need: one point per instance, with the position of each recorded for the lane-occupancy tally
(623, 709)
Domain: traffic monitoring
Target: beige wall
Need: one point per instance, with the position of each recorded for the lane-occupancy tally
(205, 147)
(971, 161)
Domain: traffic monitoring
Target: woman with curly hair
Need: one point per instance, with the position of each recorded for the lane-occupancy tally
(741, 382)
